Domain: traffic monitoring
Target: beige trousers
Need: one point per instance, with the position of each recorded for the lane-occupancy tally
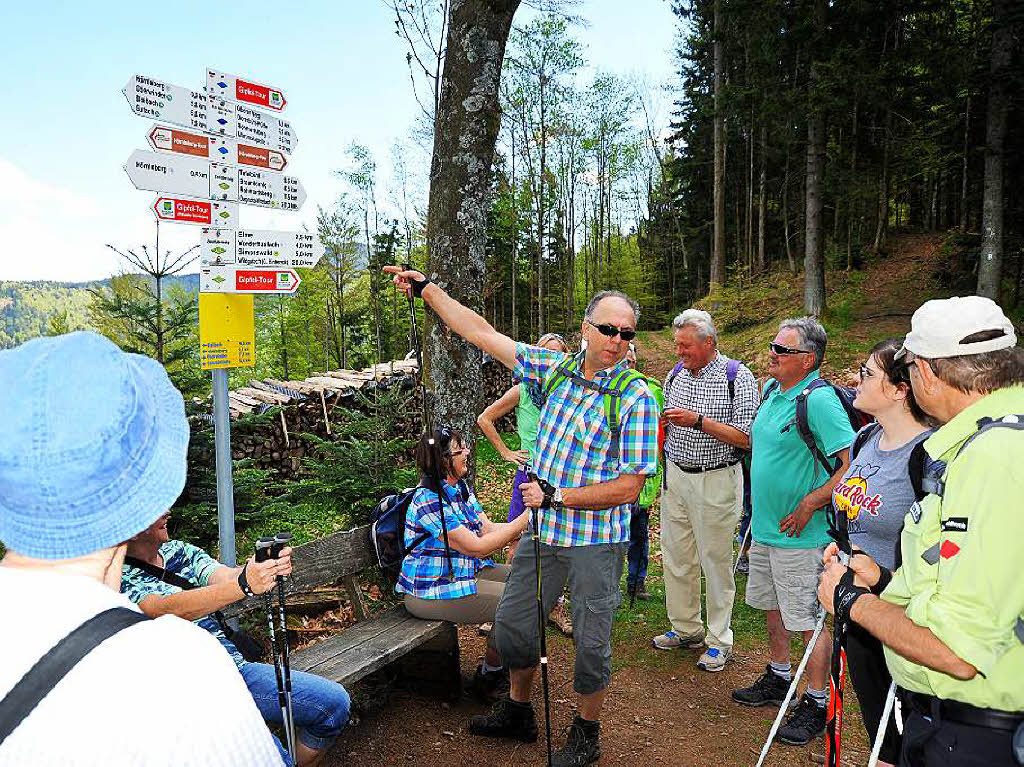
(475, 608)
(699, 513)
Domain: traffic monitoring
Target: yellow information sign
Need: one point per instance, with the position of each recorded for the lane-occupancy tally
(227, 331)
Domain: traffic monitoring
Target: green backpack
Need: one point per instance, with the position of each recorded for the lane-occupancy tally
(612, 391)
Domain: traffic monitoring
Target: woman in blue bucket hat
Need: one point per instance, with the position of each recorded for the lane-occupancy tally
(92, 452)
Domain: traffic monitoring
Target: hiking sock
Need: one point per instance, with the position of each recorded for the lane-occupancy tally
(783, 670)
(820, 696)
(488, 669)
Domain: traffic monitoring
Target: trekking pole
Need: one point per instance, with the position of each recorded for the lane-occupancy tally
(792, 687)
(541, 626)
(739, 554)
(280, 541)
(263, 548)
(837, 668)
(883, 724)
(414, 330)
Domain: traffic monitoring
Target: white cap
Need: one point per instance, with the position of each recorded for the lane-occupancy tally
(939, 327)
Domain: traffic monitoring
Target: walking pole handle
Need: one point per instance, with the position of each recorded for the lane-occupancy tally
(263, 549)
(280, 541)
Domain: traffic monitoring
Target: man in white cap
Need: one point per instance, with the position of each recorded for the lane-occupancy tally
(952, 616)
(92, 451)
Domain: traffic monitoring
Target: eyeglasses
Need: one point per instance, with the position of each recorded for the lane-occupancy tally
(460, 451)
(780, 349)
(611, 331)
(865, 372)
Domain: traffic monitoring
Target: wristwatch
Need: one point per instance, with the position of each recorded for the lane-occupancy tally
(556, 499)
(699, 425)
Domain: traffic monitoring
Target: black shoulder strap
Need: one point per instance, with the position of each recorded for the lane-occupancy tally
(768, 390)
(160, 573)
(803, 426)
(61, 658)
(862, 438)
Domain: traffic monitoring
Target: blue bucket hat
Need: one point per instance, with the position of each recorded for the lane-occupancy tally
(92, 445)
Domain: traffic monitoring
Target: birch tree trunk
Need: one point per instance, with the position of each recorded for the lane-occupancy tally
(465, 134)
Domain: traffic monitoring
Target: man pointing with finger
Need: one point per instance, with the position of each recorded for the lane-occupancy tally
(596, 443)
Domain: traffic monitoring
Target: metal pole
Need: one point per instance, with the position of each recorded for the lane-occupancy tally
(883, 723)
(225, 484)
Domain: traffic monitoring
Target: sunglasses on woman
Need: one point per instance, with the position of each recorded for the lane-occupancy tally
(611, 331)
(780, 349)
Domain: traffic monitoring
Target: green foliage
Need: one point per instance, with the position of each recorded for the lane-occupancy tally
(30, 309)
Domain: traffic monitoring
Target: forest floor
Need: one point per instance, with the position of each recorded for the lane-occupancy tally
(660, 708)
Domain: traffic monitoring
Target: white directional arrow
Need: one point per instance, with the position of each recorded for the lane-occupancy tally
(149, 97)
(197, 177)
(259, 249)
(229, 150)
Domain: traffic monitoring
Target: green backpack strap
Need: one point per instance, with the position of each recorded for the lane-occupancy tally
(613, 392)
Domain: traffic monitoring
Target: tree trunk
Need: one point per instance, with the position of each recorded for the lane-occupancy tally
(515, 238)
(718, 255)
(990, 260)
(883, 185)
(963, 170)
(762, 200)
(785, 216)
(814, 266)
(465, 133)
(851, 202)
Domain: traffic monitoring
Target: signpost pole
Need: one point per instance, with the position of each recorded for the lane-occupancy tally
(225, 483)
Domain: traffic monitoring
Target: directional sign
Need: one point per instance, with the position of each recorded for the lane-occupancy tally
(227, 279)
(149, 97)
(225, 86)
(259, 249)
(227, 331)
(201, 212)
(214, 148)
(197, 177)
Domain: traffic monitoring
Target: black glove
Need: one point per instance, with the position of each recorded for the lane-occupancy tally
(845, 595)
(417, 285)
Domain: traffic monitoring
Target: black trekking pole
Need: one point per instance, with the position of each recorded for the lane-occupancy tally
(414, 331)
(541, 624)
(280, 541)
(263, 549)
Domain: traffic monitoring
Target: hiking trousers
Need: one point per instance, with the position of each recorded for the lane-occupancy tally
(699, 513)
(473, 608)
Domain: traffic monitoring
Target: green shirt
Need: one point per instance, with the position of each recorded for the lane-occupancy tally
(650, 491)
(973, 596)
(527, 418)
(782, 469)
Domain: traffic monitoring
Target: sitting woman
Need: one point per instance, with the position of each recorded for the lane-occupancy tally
(470, 591)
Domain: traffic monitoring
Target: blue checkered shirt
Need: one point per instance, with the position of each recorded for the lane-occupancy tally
(425, 569)
(574, 446)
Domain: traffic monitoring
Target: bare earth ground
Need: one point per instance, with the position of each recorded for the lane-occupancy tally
(660, 709)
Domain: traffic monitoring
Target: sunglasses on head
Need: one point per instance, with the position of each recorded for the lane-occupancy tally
(611, 331)
(780, 349)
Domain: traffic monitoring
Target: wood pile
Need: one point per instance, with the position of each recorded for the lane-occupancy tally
(312, 404)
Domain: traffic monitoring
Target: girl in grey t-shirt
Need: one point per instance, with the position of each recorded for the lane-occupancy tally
(875, 494)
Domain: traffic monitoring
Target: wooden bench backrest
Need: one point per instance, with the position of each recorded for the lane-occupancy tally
(322, 562)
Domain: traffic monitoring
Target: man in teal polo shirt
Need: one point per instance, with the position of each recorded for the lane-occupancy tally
(952, 617)
(790, 492)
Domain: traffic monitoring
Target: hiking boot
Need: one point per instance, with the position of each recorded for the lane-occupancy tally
(489, 686)
(743, 565)
(582, 744)
(713, 659)
(670, 640)
(507, 719)
(637, 591)
(769, 690)
(805, 723)
(559, 618)
(484, 629)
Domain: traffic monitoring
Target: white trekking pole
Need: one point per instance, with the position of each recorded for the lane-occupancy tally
(876, 749)
(739, 554)
(792, 688)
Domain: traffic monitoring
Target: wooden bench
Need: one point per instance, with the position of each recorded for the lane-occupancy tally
(428, 651)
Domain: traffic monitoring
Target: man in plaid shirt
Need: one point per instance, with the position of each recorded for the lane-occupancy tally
(588, 486)
(708, 419)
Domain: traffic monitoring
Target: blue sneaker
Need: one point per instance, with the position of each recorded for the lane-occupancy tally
(713, 659)
(670, 640)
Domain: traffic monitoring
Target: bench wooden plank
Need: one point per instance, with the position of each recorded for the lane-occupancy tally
(346, 658)
(322, 561)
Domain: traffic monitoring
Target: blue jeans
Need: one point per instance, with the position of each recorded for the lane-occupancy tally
(639, 544)
(320, 706)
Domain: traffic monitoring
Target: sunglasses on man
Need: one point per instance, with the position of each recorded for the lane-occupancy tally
(611, 331)
(780, 349)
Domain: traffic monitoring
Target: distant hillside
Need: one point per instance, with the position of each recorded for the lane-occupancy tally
(27, 308)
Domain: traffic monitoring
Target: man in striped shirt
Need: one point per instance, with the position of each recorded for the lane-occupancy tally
(588, 482)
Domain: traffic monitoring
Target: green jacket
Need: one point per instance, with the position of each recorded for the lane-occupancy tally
(650, 491)
(961, 575)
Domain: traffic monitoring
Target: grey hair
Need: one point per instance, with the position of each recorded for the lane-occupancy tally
(602, 295)
(700, 321)
(982, 373)
(813, 337)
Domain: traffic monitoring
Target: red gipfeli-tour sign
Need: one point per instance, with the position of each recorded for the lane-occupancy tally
(181, 210)
(225, 86)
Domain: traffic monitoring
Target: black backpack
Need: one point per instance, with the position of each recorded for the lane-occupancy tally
(387, 532)
(846, 395)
